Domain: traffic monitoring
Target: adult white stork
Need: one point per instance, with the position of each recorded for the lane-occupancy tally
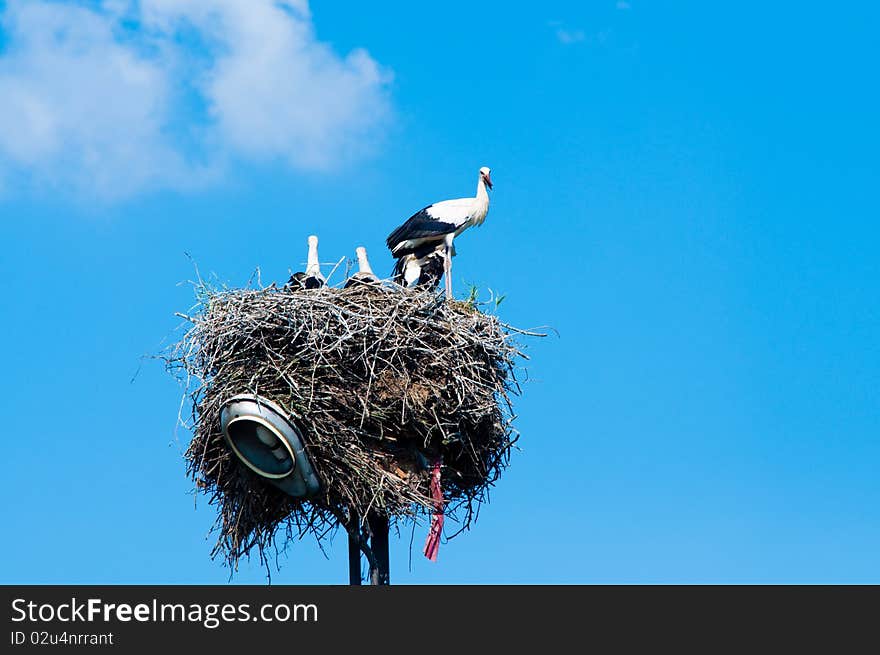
(365, 273)
(432, 230)
(312, 278)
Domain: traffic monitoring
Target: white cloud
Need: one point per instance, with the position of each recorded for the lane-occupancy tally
(275, 90)
(79, 108)
(92, 103)
(568, 37)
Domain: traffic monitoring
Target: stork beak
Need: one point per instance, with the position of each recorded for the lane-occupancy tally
(488, 180)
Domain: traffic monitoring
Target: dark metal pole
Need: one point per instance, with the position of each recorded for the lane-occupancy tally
(379, 528)
(354, 553)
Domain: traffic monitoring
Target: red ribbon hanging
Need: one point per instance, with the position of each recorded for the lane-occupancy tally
(432, 543)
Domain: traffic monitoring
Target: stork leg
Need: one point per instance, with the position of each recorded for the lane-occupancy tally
(447, 270)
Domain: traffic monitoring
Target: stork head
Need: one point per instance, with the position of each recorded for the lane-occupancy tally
(485, 176)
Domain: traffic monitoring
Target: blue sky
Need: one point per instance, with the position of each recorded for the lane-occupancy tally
(686, 192)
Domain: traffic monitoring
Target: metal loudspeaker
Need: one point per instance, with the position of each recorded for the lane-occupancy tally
(268, 443)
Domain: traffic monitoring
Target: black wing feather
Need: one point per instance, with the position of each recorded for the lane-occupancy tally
(397, 273)
(419, 226)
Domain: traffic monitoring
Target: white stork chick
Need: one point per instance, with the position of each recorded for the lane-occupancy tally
(365, 274)
(437, 225)
(312, 278)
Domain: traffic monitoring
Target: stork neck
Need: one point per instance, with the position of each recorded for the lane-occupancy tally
(482, 206)
(482, 193)
(313, 266)
(363, 264)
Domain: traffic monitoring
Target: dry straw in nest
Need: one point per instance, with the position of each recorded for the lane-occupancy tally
(384, 381)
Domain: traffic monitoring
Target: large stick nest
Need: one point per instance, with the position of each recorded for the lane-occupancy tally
(384, 381)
